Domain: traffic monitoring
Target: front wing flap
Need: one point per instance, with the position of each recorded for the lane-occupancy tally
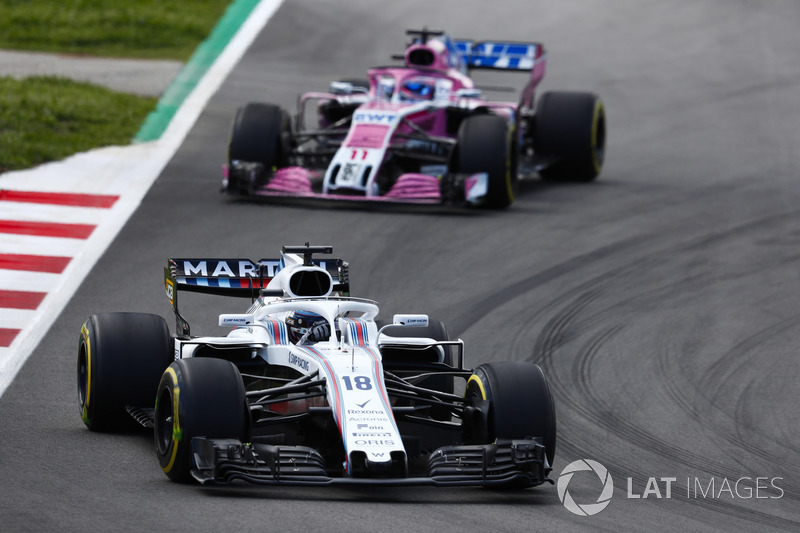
(456, 190)
(518, 462)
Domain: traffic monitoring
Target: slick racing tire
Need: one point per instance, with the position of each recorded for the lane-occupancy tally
(570, 133)
(261, 134)
(197, 397)
(120, 359)
(487, 143)
(520, 402)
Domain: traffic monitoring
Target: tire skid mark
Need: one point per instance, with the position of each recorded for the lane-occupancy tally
(714, 378)
(569, 323)
(567, 320)
(717, 376)
(594, 409)
(587, 404)
(697, 406)
(720, 374)
(742, 420)
(467, 314)
(558, 330)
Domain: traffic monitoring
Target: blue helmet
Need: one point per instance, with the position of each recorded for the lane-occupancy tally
(417, 89)
(300, 322)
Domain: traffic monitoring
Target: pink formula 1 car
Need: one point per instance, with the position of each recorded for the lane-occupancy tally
(420, 133)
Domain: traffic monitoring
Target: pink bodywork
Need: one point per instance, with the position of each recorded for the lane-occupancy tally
(296, 181)
(411, 188)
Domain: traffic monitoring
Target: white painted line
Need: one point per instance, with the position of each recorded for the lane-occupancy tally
(62, 214)
(128, 171)
(16, 320)
(19, 280)
(35, 245)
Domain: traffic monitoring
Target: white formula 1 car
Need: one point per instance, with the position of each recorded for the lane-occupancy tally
(306, 388)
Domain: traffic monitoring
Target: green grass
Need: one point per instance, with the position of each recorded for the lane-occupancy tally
(47, 118)
(163, 29)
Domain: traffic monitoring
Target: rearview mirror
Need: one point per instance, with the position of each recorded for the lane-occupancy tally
(410, 320)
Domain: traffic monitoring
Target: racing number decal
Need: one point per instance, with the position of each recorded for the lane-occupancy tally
(355, 154)
(360, 382)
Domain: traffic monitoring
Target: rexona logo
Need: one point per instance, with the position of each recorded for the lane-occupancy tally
(586, 509)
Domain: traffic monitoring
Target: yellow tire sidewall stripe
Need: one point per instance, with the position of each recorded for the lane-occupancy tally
(509, 160)
(475, 379)
(85, 337)
(598, 111)
(176, 426)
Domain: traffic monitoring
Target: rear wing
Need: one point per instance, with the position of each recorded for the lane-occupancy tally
(500, 55)
(467, 54)
(236, 277)
(240, 277)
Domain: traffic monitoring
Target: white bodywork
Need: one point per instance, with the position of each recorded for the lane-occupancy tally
(349, 360)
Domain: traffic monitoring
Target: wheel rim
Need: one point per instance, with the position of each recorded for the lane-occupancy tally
(164, 420)
(83, 374)
(599, 137)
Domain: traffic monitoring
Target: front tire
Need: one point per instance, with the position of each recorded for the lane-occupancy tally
(197, 397)
(120, 359)
(487, 143)
(261, 133)
(519, 400)
(570, 132)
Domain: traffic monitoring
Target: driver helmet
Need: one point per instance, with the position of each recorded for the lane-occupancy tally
(417, 89)
(300, 322)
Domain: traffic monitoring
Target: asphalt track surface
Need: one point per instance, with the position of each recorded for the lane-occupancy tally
(661, 300)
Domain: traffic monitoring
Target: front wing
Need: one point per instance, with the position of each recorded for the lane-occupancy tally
(519, 463)
(295, 182)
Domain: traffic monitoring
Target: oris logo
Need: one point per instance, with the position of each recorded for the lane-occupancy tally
(586, 509)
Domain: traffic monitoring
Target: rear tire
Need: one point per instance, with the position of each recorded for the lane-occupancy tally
(120, 359)
(261, 134)
(570, 130)
(197, 397)
(486, 143)
(520, 402)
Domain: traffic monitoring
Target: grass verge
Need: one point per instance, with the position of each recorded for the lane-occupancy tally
(145, 29)
(48, 118)
(45, 119)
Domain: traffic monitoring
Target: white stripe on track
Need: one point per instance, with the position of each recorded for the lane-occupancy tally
(35, 245)
(63, 214)
(20, 280)
(17, 320)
